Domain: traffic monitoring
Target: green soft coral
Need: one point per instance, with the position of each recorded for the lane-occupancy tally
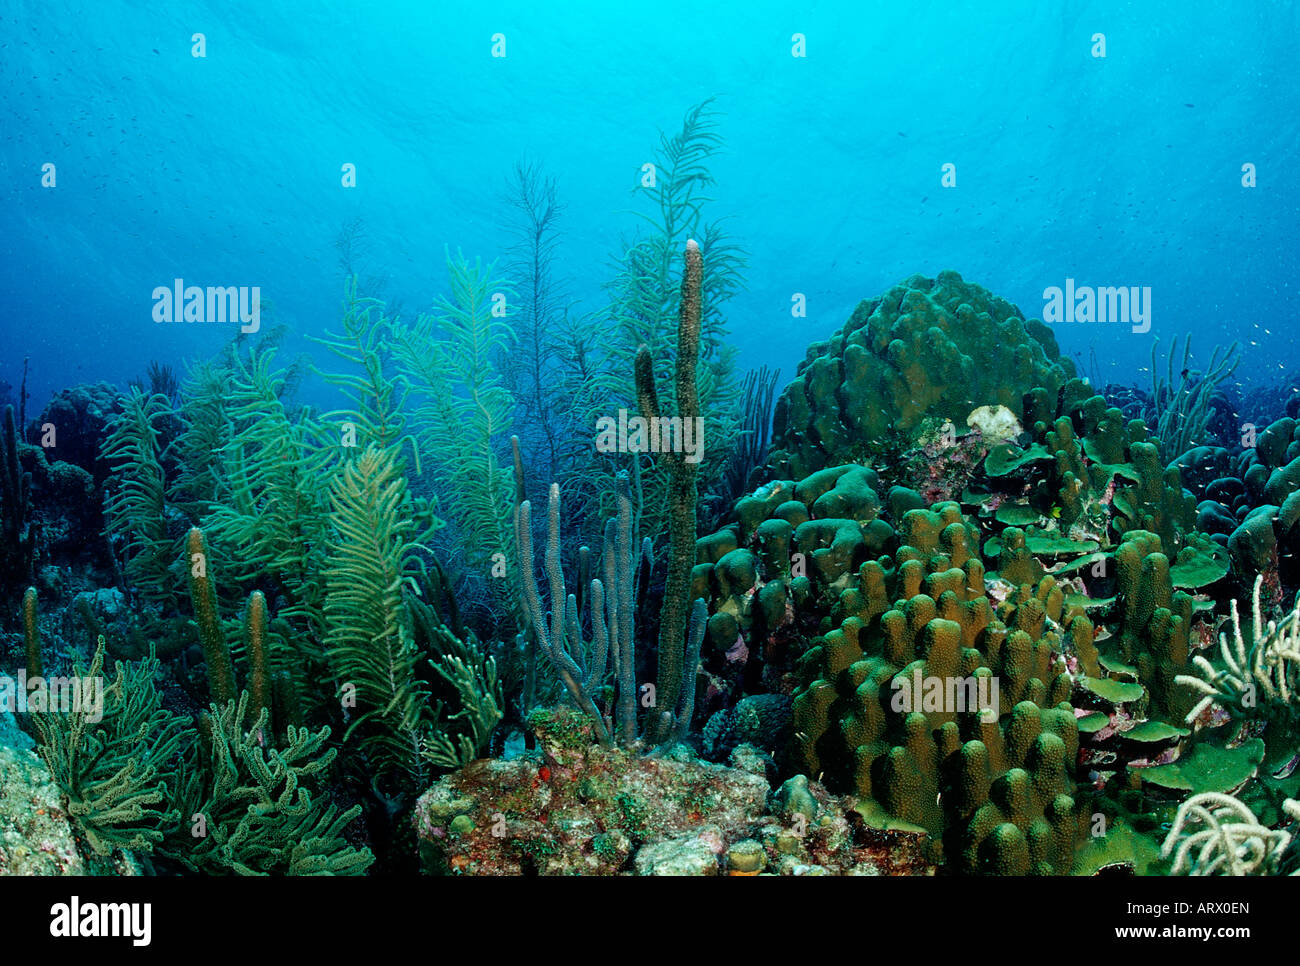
(368, 641)
(254, 810)
(116, 772)
(464, 411)
(135, 506)
(270, 521)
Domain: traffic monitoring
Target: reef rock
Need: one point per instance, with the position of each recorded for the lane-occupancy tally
(80, 417)
(577, 808)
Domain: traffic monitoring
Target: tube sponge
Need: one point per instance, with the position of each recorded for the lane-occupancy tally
(221, 673)
(32, 635)
(681, 483)
(259, 678)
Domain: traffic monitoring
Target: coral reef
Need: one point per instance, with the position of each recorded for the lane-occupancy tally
(1154, 623)
(81, 417)
(1182, 414)
(794, 547)
(1092, 472)
(1259, 495)
(962, 618)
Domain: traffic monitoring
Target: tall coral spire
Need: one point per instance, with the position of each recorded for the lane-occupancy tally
(688, 332)
(15, 507)
(681, 489)
(259, 676)
(32, 635)
(221, 673)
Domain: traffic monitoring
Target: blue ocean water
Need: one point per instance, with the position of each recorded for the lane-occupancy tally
(226, 169)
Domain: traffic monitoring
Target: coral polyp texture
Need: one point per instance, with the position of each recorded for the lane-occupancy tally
(946, 715)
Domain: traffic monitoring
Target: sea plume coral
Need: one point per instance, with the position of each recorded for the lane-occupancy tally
(135, 504)
(1182, 414)
(368, 642)
(462, 412)
(1216, 834)
(1271, 663)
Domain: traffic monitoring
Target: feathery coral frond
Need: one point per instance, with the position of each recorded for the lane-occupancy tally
(115, 769)
(464, 413)
(135, 503)
(368, 643)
